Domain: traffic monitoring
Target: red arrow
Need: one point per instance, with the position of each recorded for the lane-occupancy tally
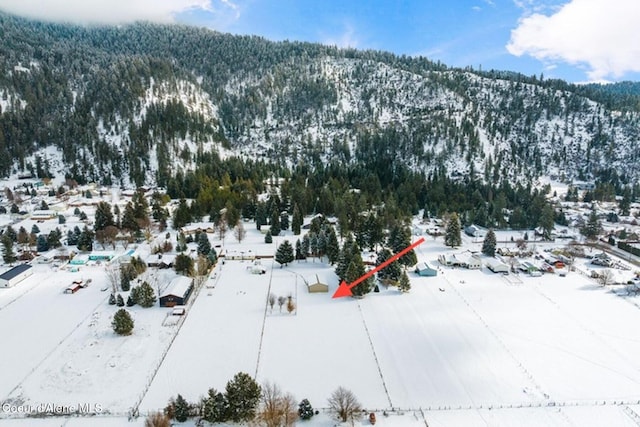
(344, 290)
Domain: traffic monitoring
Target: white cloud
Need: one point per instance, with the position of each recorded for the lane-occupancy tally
(348, 38)
(601, 34)
(110, 11)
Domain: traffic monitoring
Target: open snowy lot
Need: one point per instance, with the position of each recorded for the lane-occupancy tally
(463, 348)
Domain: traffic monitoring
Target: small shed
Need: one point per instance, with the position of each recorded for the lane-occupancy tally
(425, 270)
(15, 275)
(497, 266)
(527, 267)
(73, 288)
(79, 260)
(101, 256)
(317, 287)
(177, 292)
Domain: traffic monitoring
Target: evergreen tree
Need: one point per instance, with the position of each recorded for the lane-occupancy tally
(112, 299)
(103, 216)
(212, 256)
(392, 271)
(344, 258)
(9, 231)
(313, 244)
(284, 220)
(489, 243)
(267, 237)
(299, 253)
(306, 245)
(72, 237)
(119, 301)
(8, 255)
(261, 215)
(204, 246)
(214, 407)
(122, 322)
(85, 240)
(42, 244)
(181, 216)
(394, 240)
(275, 223)
(184, 265)
(355, 270)
(35, 229)
(405, 283)
(131, 300)
(546, 221)
(181, 244)
(305, 410)
(128, 221)
(374, 233)
(321, 243)
(53, 238)
(333, 247)
(145, 296)
(518, 219)
(140, 209)
(403, 241)
(284, 253)
(125, 282)
(593, 227)
(452, 235)
(625, 202)
(135, 294)
(181, 409)
(243, 396)
(296, 220)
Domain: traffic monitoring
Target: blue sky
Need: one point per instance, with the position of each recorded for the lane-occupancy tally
(576, 40)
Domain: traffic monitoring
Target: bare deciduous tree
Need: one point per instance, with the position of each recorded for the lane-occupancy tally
(521, 244)
(345, 405)
(272, 301)
(277, 409)
(240, 232)
(291, 306)
(113, 276)
(605, 277)
(157, 419)
(281, 301)
(222, 228)
(202, 270)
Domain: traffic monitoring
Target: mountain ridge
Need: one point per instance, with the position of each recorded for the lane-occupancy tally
(140, 103)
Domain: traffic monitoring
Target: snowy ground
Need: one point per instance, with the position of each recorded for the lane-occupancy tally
(463, 348)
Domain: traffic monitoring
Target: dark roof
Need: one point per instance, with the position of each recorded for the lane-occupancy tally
(18, 269)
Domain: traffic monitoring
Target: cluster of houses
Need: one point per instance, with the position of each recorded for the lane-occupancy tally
(543, 263)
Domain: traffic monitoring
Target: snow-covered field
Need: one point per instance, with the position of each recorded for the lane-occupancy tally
(463, 348)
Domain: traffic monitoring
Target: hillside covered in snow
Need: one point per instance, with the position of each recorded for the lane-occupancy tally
(141, 103)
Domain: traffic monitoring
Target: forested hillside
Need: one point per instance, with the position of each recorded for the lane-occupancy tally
(190, 108)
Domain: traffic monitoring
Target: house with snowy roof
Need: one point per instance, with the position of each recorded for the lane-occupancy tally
(177, 292)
